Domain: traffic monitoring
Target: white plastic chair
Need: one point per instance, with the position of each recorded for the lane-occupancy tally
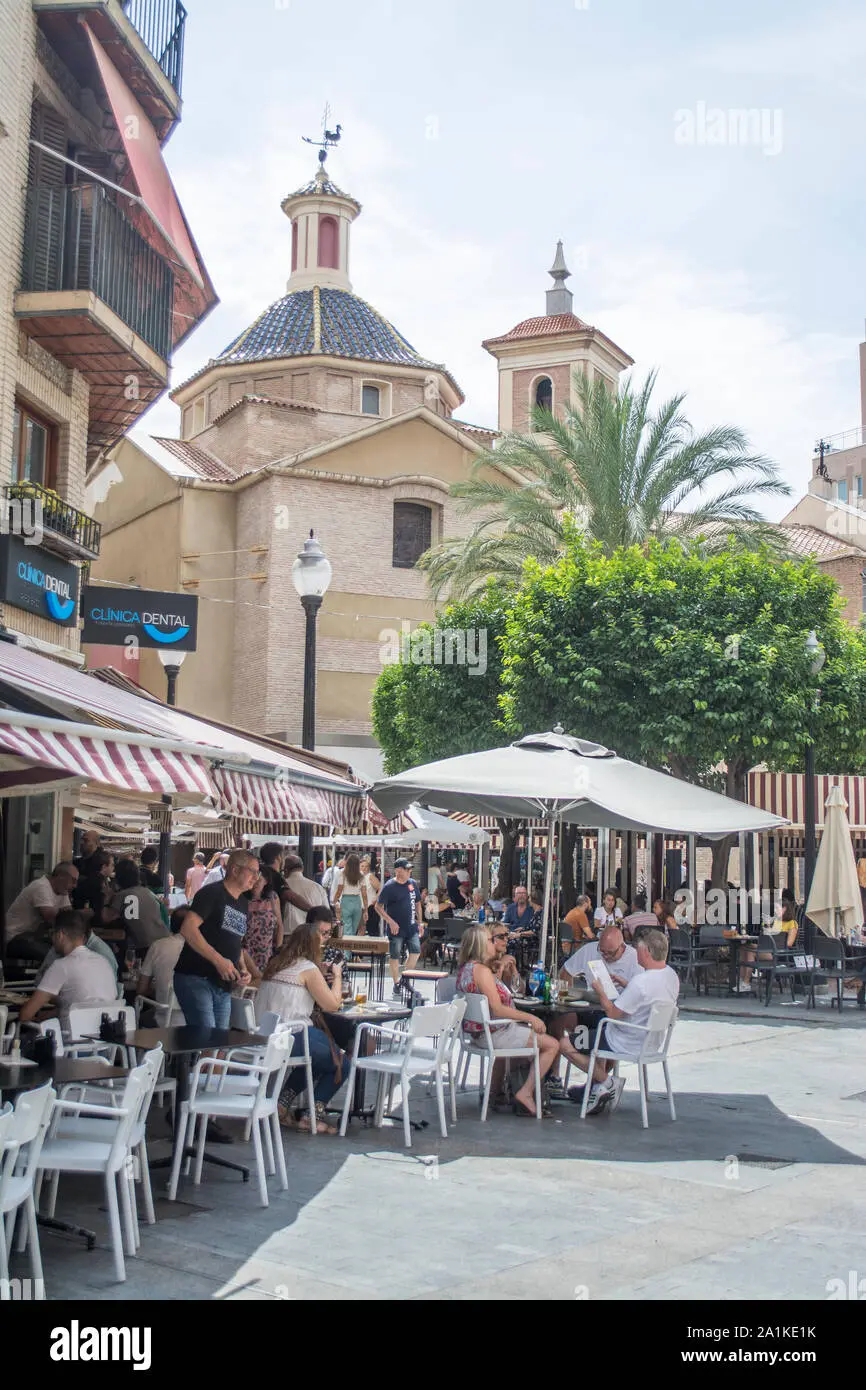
(111, 1157)
(654, 1050)
(478, 1011)
(410, 1055)
(87, 1127)
(253, 1095)
(446, 989)
(84, 1022)
(22, 1134)
(5, 1036)
(168, 1015)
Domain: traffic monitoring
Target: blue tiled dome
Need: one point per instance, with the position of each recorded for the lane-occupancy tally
(349, 327)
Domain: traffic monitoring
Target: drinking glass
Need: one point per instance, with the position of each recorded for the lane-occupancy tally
(130, 960)
(360, 997)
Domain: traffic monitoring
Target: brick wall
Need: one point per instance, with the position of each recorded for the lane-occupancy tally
(847, 574)
(525, 383)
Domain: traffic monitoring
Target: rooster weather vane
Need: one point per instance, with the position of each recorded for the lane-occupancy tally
(328, 140)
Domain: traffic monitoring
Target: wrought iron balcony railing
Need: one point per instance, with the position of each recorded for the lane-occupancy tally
(161, 24)
(79, 239)
(55, 516)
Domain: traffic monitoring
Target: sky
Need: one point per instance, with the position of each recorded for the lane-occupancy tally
(728, 255)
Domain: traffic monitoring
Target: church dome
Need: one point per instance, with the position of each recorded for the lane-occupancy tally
(323, 321)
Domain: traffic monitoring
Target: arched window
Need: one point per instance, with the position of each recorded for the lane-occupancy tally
(371, 400)
(329, 243)
(544, 393)
(412, 533)
(295, 244)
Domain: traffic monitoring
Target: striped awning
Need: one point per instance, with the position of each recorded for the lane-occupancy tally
(273, 802)
(784, 794)
(131, 767)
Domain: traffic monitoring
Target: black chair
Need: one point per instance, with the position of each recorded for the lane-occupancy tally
(776, 963)
(828, 957)
(705, 956)
(681, 954)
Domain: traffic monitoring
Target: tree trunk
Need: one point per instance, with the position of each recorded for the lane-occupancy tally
(568, 890)
(509, 831)
(735, 786)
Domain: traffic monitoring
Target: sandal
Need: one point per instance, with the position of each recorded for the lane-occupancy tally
(521, 1109)
(322, 1125)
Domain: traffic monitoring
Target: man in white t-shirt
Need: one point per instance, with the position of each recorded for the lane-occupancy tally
(78, 978)
(621, 960)
(156, 980)
(331, 880)
(656, 983)
(303, 891)
(30, 917)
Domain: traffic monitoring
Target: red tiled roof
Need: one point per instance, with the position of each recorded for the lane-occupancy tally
(809, 540)
(544, 327)
(205, 464)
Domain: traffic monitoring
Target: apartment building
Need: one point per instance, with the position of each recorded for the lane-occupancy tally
(100, 280)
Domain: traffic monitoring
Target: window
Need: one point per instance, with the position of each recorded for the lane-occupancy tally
(329, 243)
(544, 394)
(34, 445)
(858, 486)
(295, 244)
(371, 399)
(842, 490)
(412, 533)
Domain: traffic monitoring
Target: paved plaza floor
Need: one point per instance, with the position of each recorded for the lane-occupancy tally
(757, 1191)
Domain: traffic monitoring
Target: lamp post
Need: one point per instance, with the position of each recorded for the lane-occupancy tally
(172, 662)
(311, 576)
(816, 657)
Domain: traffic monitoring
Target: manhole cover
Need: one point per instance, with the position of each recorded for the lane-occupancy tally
(762, 1161)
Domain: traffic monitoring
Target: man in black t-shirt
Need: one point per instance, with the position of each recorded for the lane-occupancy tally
(399, 906)
(213, 959)
(149, 864)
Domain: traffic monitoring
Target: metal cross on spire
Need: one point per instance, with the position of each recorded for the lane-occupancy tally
(328, 140)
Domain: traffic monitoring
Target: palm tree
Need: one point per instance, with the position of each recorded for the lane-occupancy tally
(612, 468)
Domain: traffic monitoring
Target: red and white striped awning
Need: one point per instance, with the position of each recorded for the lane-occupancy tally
(784, 794)
(267, 801)
(131, 767)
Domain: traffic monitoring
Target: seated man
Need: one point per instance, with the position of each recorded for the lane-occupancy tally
(620, 959)
(93, 943)
(520, 912)
(156, 980)
(78, 978)
(622, 964)
(638, 918)
(30, 917)
(656, 981)
(579, 919)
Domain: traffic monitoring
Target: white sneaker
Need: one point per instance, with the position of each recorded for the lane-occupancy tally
(600, 1096)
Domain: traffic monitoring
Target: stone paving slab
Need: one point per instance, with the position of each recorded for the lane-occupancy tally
(514, 1210)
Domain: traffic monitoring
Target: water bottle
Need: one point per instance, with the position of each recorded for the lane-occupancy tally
(546, 988)
(536, 980)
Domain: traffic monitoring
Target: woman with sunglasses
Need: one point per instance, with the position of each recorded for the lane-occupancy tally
(509, 1027)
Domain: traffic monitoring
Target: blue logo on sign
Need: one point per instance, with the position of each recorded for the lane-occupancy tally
(167, 638)
(60, 609)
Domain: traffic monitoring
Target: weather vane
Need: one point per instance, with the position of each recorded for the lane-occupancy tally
(329, 138)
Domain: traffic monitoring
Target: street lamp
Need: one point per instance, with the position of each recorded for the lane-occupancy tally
(311, 576)
(172, 661)
(816, 657)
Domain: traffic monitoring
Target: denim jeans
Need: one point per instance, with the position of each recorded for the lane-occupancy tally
(204, 1004)
(324, 1067)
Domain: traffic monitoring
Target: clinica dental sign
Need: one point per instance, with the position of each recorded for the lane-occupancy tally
(113, 616)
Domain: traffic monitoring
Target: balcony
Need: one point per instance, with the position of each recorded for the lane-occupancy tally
(97, 296)
(837, 443)
(144, 38)
(66, 531)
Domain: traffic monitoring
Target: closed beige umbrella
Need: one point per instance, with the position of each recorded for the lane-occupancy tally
(834, 903)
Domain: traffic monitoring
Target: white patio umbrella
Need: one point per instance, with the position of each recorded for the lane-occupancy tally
(834, 902)
(568, 779)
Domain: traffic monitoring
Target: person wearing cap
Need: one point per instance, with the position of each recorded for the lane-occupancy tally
(399, 906)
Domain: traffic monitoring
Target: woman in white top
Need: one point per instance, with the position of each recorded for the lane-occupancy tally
(373, 886)
(351, 899)
(292, 985)
(608, 915)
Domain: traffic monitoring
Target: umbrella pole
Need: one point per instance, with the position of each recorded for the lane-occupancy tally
(548, 885)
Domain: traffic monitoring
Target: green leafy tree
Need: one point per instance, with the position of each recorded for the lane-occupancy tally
(424, 710)
(616, 469)
(686, 662)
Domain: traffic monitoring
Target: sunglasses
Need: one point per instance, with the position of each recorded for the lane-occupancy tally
(500, 936)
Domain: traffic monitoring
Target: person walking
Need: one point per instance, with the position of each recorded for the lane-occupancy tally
(399, 906)
(351, 899)
(213, 959)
